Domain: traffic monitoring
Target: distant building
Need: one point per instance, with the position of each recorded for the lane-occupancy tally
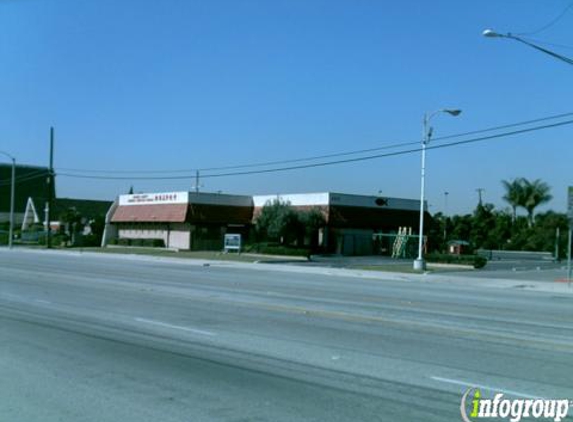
(88, 209)
(31, 181)
(458, 247)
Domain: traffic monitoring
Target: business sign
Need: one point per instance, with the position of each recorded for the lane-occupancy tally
(570, 206)
(162, 198)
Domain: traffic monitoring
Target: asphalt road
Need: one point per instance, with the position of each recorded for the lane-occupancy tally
(108, 338)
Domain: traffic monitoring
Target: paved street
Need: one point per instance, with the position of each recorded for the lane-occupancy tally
(112, 338)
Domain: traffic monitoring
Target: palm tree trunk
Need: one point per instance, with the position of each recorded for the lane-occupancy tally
(530, 218)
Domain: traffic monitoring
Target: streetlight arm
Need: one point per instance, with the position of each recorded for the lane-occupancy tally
(543, 50)
(492, 34)
(8, 155)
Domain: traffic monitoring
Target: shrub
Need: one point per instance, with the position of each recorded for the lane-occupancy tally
(479, 261)
(112, 241)
(90, 240)
(123, 242)
(154, 243)
(276, 249)
(136, 242)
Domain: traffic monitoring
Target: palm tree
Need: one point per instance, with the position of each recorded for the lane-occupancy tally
(514, 195)
(535, 193)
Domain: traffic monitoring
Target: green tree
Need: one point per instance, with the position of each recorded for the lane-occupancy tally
(278, 221)
(535, 193)
(461, 227)
(541, 236)
(72, 220)
(514, 195)
(482, 225)
(312, 220)
(97, 226)
(436, 229)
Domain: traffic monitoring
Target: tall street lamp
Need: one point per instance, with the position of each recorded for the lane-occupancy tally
(489, 33)
(419, 263)
(12, 196)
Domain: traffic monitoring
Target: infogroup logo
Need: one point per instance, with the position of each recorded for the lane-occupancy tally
(474, 407)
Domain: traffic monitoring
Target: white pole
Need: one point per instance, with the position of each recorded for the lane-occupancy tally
(419, 263)
(569, 257)
(12, 199)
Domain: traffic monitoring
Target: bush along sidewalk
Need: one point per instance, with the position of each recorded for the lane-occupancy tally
(148, 243)
(474, 260)
(276, 249)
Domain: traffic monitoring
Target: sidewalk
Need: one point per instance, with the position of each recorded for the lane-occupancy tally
(500, 283)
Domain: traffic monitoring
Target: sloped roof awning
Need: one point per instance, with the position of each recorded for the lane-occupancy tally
(164, 213)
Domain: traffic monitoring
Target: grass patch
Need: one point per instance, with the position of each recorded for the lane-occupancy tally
(207, 255)
(392, 268)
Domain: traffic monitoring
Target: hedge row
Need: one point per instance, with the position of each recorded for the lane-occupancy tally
(275, 249)
(475, 260)
(150, 243)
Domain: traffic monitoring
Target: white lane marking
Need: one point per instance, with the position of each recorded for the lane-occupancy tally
(485, 387)
(24, 299)
(177, 327)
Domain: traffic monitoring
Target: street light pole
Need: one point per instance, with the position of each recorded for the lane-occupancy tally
(419, 263)
(489, 33)
(12, 199)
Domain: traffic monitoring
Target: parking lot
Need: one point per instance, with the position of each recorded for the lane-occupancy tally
(517, 269)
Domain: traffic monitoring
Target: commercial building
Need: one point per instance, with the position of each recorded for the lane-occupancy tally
(182, 220)
(199, 221)
(352, 221)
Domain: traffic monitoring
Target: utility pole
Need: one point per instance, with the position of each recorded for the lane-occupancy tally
(570, 218)
(51, 190)
(569, 256)
(557, 238)
(446, 216)
(197, 181)
(479, 191)
(12, 199)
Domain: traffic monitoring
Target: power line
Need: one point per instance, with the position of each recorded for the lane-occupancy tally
(330, 163)
(551, 23)
(25, 178)
(320, 157)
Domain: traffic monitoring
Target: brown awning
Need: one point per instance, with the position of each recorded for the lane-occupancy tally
(163, 213)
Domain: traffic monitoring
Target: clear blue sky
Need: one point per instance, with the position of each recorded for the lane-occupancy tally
(155, 85)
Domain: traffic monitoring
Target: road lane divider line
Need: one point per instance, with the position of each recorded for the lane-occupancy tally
(176, 327)
(485, 387)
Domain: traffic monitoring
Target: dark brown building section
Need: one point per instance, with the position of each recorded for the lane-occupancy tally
(371, 218)
(219, 214)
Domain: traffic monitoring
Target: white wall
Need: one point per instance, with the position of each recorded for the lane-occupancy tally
(295, 199)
